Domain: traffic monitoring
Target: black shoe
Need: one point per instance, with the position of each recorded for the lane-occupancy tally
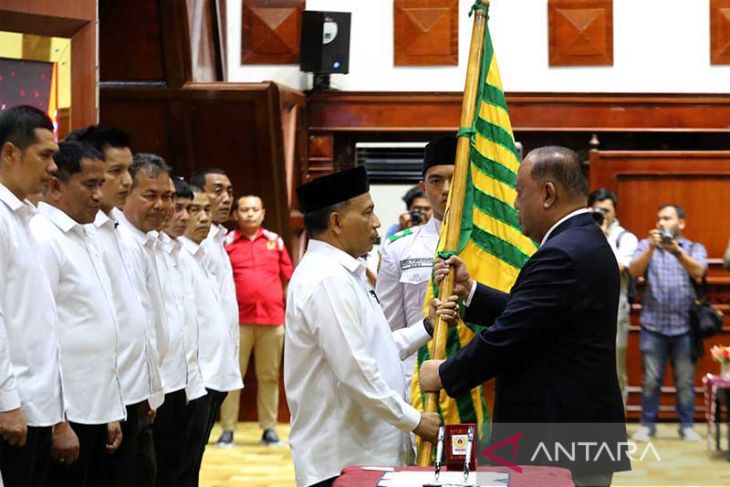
(269, 438)
(226, 440)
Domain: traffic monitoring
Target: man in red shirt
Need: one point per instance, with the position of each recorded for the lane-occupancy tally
(261, 270)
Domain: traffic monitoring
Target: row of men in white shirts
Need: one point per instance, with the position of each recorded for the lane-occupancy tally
(118, 316)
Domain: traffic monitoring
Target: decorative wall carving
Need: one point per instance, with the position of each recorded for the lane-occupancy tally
(271, 31)
(720, 31)
(580, 32)
(426, 32)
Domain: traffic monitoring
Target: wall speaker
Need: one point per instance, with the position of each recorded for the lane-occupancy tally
(325, 42)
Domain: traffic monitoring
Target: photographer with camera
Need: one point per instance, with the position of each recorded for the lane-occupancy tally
(406, 260)
(418, 211)
(669, 262)
(623, 243)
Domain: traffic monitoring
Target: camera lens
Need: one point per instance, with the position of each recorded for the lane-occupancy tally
(666, 235)
(598, 217)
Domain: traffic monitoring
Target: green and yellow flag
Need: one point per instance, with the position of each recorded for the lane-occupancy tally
(491, 241)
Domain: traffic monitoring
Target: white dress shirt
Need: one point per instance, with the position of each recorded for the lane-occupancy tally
(195, 387)
(138, 368)
(30, 373)
(217, 354)
(86, 318)
(342, 370)
(219, 266)
(141, 258)
(175, 365)
(406, 265)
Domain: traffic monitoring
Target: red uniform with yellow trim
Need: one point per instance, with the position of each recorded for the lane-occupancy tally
(261, 266)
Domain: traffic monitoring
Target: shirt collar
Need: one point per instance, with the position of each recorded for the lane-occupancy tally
(22, 208)
(64, 222)
(217, 232)
(341, 257)
(577, 212)
(259, 233)
(434, 225)
(104, 220)
(238, 234)
(170, 245)
(194, 249)
(144, 239)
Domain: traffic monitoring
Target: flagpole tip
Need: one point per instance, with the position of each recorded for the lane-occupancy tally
(482, 5)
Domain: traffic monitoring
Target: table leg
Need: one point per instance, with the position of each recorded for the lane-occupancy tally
(727, 419)
(718, 420)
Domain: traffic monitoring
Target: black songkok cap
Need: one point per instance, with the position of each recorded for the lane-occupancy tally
(332, 189)
(438, 152)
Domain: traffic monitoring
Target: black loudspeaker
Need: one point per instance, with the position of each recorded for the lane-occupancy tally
(325, 42)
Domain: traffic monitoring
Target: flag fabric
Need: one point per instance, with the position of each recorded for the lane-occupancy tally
(491, 241)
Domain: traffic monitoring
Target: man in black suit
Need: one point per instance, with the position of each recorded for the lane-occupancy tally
(550, 342)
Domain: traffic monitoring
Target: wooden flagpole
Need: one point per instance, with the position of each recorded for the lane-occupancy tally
(454, 213)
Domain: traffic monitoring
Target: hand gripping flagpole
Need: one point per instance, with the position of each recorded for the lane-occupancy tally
(453, 214)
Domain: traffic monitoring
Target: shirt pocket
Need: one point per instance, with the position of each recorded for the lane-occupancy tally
(415, 276)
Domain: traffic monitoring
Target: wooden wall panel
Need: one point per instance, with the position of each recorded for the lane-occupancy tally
(271, 31)
(321, 146)
(221, 14)
(206, 48)
(697, 181)
(76, 20)
(321, 156)
(440, 112)
(130, 41)
(84, 10)
(155, 43)
(720, 31)
(243, 166)
(580, 32)
(64, 122)
(426, 32)
(123, 112)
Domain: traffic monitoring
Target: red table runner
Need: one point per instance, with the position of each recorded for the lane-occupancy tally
(531, 476)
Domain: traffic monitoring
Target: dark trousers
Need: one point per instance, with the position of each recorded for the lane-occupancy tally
(216, 399)
(87, 470)
(146, 474)
(27, 466)
(172, 435)
(202, 417)
(130, 465)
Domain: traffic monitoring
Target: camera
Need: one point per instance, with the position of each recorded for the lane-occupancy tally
(667, 236)
(599, 215)
(416, 217)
